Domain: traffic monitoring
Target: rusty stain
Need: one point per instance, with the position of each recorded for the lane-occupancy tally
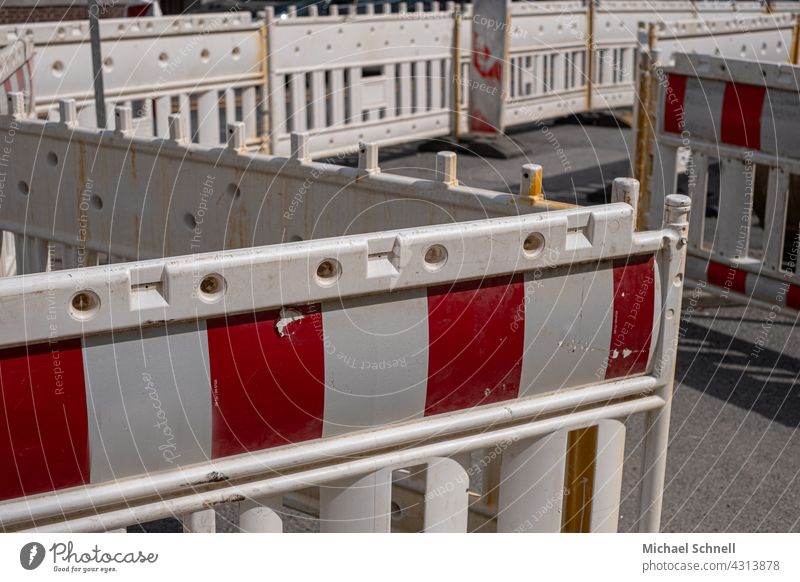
(133, 159)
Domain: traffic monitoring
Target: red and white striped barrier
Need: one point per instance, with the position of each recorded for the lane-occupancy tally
(206, 389)
(743, 115)
(568, 314)
(15, 74)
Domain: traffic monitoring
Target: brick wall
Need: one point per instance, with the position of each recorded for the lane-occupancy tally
(21, 14)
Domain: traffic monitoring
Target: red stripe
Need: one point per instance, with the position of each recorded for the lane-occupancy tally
(268, 387)
(44, 429)
(741, 115)
(726, 277)
(634, 308)
(20, 81)
(475, 353)
(793, 297)
(31, 106)
(673, 103)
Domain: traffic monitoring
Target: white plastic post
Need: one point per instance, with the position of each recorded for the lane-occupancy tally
(359, 504)
(446, 165)
(368, 159)
(203, 521)
(260, 515)
(446, 497)
(532, 485)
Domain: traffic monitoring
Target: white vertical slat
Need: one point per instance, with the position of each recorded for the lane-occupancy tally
(185, 111)
(337, 97)
(532, 485)
(203, 521)
(559, 66)
(261, 515)
(698, 190)
(32, 255)
(736, 181)
(354, 83)
(447, 86)
(297, 88)
(230, 106)
(436, 84)
(608, 476)
(208, 118)
(163, 109)
(775, 219)
(249, 112)
(446, 497)
(318, 98)
(359, 504)
(277, 103)
(8, 255)
(390, 73)
(405, 89)
(420, 87)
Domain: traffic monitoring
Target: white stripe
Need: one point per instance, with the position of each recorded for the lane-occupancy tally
(702, 107)
(149, 399)
(568, 319)
(376, 360)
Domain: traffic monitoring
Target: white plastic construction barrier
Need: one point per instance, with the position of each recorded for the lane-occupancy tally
(15, 73)
(174, 385)
(79, 197)
(743, 116)
(381, 76)
(209, 68)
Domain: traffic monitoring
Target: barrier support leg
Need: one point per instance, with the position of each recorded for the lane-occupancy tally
(676, 213)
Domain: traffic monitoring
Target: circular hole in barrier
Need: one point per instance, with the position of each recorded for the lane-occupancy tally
(52, 158)
(233, 191)
(97, 202)
(212, 288)
(22, 187)
(295, 238)
(678, 280)
(328, 271)
(435, 257)
(533, 244)
(205, 56)
(163, 59)
(236, 53)
(84, 305)
(108, 64)
(189, 220)
(670, 313)
(397, 511)
(57, 68)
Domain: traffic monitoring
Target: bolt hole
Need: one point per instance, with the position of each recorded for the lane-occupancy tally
(163, 58)
(190, 221)
(97, 202)
(236, 52)
(212, 287)
(205, 56)
(435, 257)
(233, 191)
(84, 305)
(534, 244)
(328, 271)
(22, 187)
(58, 68)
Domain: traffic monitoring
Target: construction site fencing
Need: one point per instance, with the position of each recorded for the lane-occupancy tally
(379, 76)
(737, 119)
(370, 373)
